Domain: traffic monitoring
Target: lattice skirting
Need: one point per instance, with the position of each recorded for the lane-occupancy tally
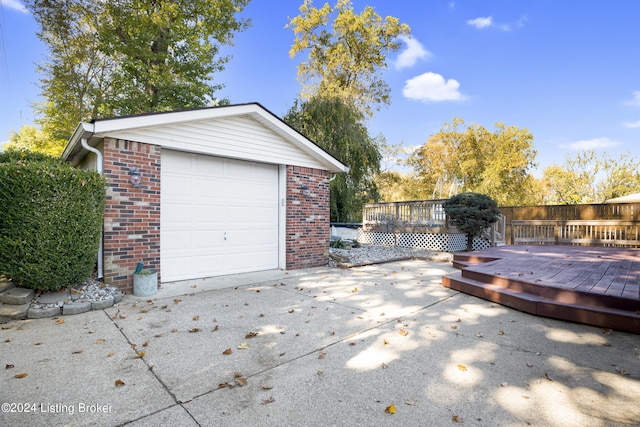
(436, 242)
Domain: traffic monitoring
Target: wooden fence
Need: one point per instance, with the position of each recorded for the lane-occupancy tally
(615, 224)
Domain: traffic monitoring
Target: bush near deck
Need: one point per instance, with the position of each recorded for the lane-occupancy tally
(50, 222)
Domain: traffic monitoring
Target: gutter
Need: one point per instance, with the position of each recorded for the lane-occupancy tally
(86, 146)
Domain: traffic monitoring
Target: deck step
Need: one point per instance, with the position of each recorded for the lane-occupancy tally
(543, 305)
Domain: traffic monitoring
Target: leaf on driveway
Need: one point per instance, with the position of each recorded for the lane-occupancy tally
(462, 367)
(267, 401)
(386, 342)
(77, 351)
(391, 409)
(457, 419)
(139, 355)
(322, 355)
(227, 352)
(100, 341)
(500, 332)
(196, 318)
(9, 366)
(410, 402)
(60, 321)
(119, 383)
(22, 375)
(111, 353)
(251, 335)
(194, 330)
(243, 346)
(176, 301)
(547, 376)
(404, 332)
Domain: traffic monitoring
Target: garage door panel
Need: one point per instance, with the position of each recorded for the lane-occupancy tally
(205, 199)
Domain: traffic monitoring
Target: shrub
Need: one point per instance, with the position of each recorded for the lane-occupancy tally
(471, 213)
(51, 220)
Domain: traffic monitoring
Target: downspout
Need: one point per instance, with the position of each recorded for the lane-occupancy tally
(98, 154)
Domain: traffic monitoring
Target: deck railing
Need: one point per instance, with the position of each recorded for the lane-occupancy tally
(591, 233)
(419, 216)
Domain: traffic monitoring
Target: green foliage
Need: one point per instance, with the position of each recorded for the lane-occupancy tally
(129, 56)
(51, 220)
(471, 213)
(29, 138)
(345, 59)
(494, 163)
(339, 129)
(590, 178)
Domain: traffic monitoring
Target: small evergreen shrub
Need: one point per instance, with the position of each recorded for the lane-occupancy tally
(50, 221)
(471, 213)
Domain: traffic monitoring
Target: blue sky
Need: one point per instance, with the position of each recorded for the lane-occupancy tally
(567, 71)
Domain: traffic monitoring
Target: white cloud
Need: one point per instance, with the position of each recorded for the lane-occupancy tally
(432, 87)
(481, 23)
(592, 144)
(635, 102)
(14, 5)
(632, 125)
(411, 54)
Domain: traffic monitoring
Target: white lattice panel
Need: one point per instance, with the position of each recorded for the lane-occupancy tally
(434, 242)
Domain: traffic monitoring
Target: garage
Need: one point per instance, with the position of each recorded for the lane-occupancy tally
(218, 216)
(206, 192)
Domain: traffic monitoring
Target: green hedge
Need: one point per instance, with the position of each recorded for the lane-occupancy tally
(50, 220)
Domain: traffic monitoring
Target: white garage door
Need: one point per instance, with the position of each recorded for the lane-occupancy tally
(218, 216)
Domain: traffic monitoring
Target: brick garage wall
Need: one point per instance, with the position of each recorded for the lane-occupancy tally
(132, 215)
(308, 231)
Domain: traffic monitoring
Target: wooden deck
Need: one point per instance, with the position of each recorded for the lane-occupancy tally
(593, 285)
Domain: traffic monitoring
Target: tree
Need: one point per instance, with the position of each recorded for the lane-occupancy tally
(30, 138)
(591, 178)
(345, 60)
(471, 213)
(129, 56)
(338, 128)
(494, 163)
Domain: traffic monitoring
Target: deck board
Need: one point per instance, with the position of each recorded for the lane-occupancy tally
(563, 280)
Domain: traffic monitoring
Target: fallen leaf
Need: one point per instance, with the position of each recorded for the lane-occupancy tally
(386, 342)
(261, 315)
(241, 381)
(352, 343)
(111, 353)
(143, 310)
(196, 318)
(322, 355)
(119, 383)
(77, 351)
(382, 314)
(457, 419)
(174, 330)
(606, 331)
(194, 286)
(176, 301)
(404, 332)
(243, 346)
(223, 385)
(100, 341)
(500, 332)
(410, 402)
(480, 335)
(8, 340)
(227, 352)
(622, 372)
(291, 311)
(384, 365)
(139, 355)
(267, 401)
(454, 326)
(547, 376)
(251, 335)
(139, 318)
(22, 375)
(529, 365)
(462, 367)
(355, 290)
(134, 345)
(146, 343)
(5, 327)
(459, 320)
(9, 366)
(505, 384)
(38, 343)
(215, 328)
(60, 321)
(123, 316)
(194, 330)
(391, 409)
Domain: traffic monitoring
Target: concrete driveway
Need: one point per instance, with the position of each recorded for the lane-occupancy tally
(317, 347)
